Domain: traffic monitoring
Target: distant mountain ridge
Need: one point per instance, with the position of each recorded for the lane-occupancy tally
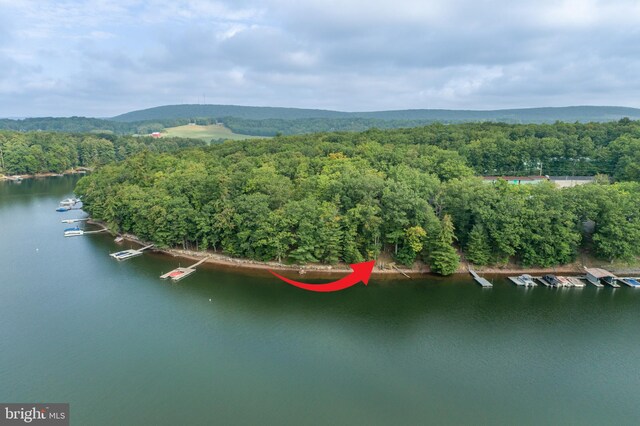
(272, 121)
(519, 115)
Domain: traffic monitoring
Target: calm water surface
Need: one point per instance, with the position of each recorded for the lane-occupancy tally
(125, 348)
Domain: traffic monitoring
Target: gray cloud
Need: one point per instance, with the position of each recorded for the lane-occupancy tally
(106, 57)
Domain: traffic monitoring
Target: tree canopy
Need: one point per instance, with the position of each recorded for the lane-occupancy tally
(352, 197)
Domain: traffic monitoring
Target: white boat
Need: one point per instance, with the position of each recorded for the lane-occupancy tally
(564, 282)
(631, 282)
(524, 280)
(73, 220)
(73, 232)
(69, 202)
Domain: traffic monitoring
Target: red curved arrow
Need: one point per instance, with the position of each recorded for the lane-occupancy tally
(361, 272)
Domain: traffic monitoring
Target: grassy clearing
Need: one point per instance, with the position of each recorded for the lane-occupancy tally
(213, 131)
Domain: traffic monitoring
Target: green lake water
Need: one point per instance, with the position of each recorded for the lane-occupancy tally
(222, 347)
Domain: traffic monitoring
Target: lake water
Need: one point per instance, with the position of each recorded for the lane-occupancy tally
(223, 347)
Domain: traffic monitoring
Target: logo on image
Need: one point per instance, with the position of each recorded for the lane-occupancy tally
(36, 414)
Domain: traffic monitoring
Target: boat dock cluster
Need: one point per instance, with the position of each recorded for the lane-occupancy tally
(122, 255)
(595, 276)
(175, 275)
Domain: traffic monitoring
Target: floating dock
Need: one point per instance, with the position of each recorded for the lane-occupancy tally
(482, 281)
(576, 282)
(180, 273)
(77, 232)
(523, 281)
(128, 254)
(544, 282)
(74, 220)
(69, 202)
(600, 276)
(631, 282)
(73, 232)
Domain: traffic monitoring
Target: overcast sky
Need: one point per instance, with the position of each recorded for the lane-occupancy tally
(102, 58)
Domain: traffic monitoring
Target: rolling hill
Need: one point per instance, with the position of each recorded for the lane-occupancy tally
(271, 121)
(522, 115)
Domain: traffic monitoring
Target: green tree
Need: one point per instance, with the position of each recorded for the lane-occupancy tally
(444, 258)
(478, 249)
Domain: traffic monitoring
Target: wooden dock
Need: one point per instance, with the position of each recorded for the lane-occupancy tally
(482, 281)
(128, 254)
(180, 273)
(629, 281)
(400, 271)
(576, 282)
(95, 232)
(77, 232)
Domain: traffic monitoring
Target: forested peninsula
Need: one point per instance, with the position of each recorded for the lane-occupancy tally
(31, 153)
(409, 194)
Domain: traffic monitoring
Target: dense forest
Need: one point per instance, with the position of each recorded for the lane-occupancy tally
(489, 148)
(40, 152)
(409, 194)
(90, 125)
(278, 126)
(505, 149)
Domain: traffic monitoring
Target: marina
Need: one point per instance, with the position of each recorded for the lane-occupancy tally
(482, 281)
(180, 273)
(550, 280)
(128, 254)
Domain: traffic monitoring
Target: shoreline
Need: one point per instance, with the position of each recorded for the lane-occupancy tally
(381, 269)
(43, 175)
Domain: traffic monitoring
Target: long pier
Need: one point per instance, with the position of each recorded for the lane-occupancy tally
(95, 232)
(482, 281)
(180, 273)
(77, 232)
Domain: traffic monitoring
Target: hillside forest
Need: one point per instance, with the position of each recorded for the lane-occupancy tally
(43, 152)
(412, 194)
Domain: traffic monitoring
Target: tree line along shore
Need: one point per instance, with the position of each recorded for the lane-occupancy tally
(41, 153)
(407, 195)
